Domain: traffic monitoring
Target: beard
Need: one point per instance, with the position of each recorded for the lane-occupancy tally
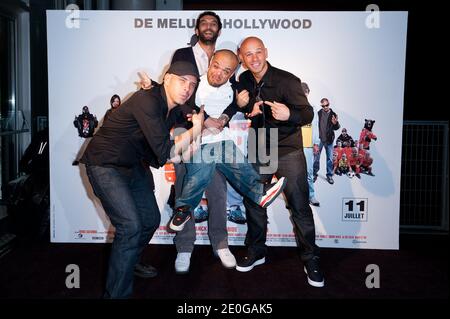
(212, 40)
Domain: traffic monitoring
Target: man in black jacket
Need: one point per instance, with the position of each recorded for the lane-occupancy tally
(345, 139)
(278, 108)
(117, 164)
(85, 123)
(328, 123)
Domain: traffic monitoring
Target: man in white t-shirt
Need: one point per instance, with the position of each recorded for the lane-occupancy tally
(217, 151)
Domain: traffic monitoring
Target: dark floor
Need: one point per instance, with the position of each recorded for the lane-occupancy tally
(419, 270)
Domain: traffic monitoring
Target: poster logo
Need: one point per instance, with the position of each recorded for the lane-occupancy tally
(354, 209)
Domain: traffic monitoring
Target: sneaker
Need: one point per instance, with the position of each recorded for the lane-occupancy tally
(200, 214)
(370, 173)
(330, 180)
(227, 258)
(180, 217)
(145, 271)
(357, 175)
(313, 201)
(248, 262)
(272, 192)
(236, 215)
(312, 270)
(182, 263)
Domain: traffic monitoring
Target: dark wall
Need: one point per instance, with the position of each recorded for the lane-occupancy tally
(38, 59)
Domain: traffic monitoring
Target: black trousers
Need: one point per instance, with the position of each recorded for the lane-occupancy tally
(293, 167)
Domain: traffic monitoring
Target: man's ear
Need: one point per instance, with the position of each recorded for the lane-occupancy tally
(239, 54)
(166, 77)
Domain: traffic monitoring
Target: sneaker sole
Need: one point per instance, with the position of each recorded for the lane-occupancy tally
(145, 276)
(274, 195)
(256, 263)
(228, 267)
(240, 222)
(178, 228)
(312, 282)
(181, 272)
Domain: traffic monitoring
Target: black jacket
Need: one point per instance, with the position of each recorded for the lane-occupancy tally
(330, 126)
(283, 87)
(87, 130)
(347, 141)
(137, 131)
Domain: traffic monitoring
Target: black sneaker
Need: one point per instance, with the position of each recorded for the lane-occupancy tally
(249, 261)
(145, 271)
(271, 191)
(313, 201)
(330, 180)
(312, 270)
(180, 217)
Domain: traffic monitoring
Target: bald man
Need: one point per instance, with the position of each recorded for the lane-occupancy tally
(217, 150)
(277, 101)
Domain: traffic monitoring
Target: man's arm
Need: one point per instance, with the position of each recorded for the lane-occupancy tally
(301, 112)
(184, 140)
(334, 121)
(240, 101)
(152, 123)
(148, 114)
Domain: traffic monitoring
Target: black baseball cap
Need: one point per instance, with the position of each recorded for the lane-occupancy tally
(182, 68)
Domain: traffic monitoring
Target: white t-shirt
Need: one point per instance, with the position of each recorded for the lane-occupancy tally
(215, 100)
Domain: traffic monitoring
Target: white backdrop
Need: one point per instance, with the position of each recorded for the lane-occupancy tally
(359, 69)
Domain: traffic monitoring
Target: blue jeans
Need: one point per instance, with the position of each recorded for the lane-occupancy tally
(309, 156)
(329, 152)
(229, 160)
(233, 197)
(128, 200)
